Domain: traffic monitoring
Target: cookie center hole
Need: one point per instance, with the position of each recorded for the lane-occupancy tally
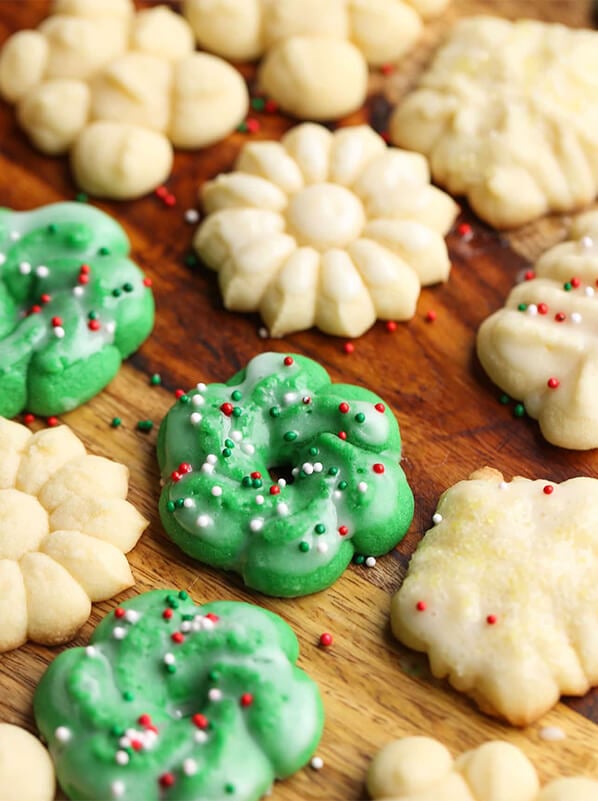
(281, 471)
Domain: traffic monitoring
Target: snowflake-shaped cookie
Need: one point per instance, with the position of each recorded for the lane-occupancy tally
(332, 230)
(508, 115)
(502, 593)
(64, 530)
(542, 347)
(421, 769)
(118, 89)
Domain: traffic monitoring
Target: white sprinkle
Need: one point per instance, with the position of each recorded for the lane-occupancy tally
(169, 659)
(282, 509)
(587, 242)
(589, 291)
(188, 503)
(263, 333)
(318, 467)
(503, 485)
(256, 524)
(532, 309)
(189, 767)
(259, 499)
(178, 714)
(215, 694)
(552, 733)
(191, 216)
(201, 387)
(307, 468)
(370, 561)
(195, 418)
(211, 458)
(207, 467)
(236, 436)
(282, 482)
(58, 331)
(216, 491)
(15, 236)
(2, 258)
(337, 494)
(248, 448)
(78, 291)
(124, 742)
(186, 626)
(110, 326)
(24, 268)
(200, 736)
(63, 734)
(198, 400)
(576, 317)
(289, 397)
(317, 763)
(122, 758)
(203, 521)
(295, 471)
(207, 624)
(119, 633)
(362, 486)
(436, 518)
(322, 547)
(42, 271)
(132, 616)
(91, 651)
(117, 788)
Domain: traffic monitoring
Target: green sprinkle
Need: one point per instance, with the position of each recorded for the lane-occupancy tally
(104, 251)
(156, 379)
(522, 306)
(304, 546)
(567, 286)
(333, 471)
(320, 528)
(128, 287)
(214, 675)
(242, 128)
(81, 197)
(171, 668)
(52, 228)
(229, 443)
(128, 696)
(519, 410)
(183, 595)
(145, 425)
(230, 788)
(237, 411)
(258, 103)
(179, 503)
(359, 559)
(93, 315)
(342, 485)
(170, 507)
(504, 399)
(191, 259)
(313, 451)
(172, 601)
(237, 395)
(275, 411)
(117, 731)
(290, 436)
(184, 399)
(116, 421)
(360, 417)
(187, 616)
(117, 292)
(256, 482)
(226, 452)
(246, 481)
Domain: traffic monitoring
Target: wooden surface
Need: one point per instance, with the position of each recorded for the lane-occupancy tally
(450, 418)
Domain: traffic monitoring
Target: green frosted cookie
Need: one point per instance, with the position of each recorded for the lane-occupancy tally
(338, 446)
(72, 306)
(176, 701)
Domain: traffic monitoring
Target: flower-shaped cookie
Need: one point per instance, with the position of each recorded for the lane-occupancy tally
(72, 306)
(118, 89)
(174, 700)
(339, 448)
(64, 529)
(502, 594)
(325, 229)
(26, 770)
(508, 115)
(421, 769)
(542, 348)
(316, 53)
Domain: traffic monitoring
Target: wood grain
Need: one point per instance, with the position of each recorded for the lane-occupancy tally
(450, 419)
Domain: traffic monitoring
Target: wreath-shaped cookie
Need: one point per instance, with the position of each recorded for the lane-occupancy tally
(72, 306)
(339, 447)
(174, 700)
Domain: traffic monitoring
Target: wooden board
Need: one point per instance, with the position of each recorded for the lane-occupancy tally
(450, 417)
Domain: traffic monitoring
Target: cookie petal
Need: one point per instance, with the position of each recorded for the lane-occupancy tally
(111, 520)
(45, 453)
(86, 476)
(13, 440)
(13, 606)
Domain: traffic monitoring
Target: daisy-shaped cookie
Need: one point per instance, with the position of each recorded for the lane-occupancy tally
(331, 230)
(508, 115)
(542, 347)
(421, 768)
(26, 770)
(64, 529)
(502, 594)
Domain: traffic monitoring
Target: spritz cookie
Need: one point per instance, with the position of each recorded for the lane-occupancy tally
(26, 770)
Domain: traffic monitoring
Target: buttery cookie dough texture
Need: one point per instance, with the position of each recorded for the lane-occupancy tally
(331, 230)
(508, 115)
(26, 770)
(502, 592)
(542, 347)
(316, 53)
(422, 769)
(64, 529)
(118, 89)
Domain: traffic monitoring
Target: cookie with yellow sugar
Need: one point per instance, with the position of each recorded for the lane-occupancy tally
(542, 347)
(502, 592)
(422, 769)
(64, 529)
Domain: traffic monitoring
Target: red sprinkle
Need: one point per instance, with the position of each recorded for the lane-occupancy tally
(167, 780)
(529, 275)
(575, 283)
(421, 606)
(28, 418)
(56, 321)
(167, 614)
(85, 269)
(144, 720)
(246, 699)
(548, 489)
(46, 298)
(200, 721)
(553, 383)
(464, 230)
(169, 200)
(119, 612)
(378, 468)
(288, 361)
(36, 309)
(343, 531)
(560, 317)
(252, 124)
(211, 616)
(185, 467)
(491, 620)
(161, 191)
(342, 435)
(391, 326)
(542, 308)
(177, 637)
(306, 400)
(326, 640)
(270, 106)
(175, 476)
(431, 316)
(83, 279)
(380, 407)
(147, 282)
(256, 474)
(93, 325)
(52, 421)
(274, 489)
(227, 409)
(136, 745)
(349, 347)
(178, 393)
(343, 407)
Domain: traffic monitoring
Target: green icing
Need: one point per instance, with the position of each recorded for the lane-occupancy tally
(231, 710)
(50, 359)
(216, 502)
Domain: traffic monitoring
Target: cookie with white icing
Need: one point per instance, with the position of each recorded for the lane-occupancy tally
(502, 593)
(507, 114)
(325, 229)
(542, 347)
